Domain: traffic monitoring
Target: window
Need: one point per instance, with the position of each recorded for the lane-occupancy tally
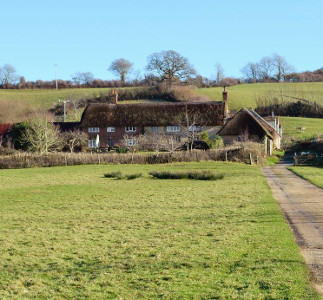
(154, 129)
(194, 128)
(111, 129)
(130, 128)
(131, 142)
(110, 143)
(173, 129)
(92, 143)
(94, 129)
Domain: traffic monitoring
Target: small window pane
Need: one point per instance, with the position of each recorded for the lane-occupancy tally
(154, 129)
(94, 129)
(111, 129)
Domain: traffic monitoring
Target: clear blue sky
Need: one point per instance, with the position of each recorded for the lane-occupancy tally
(88, 35)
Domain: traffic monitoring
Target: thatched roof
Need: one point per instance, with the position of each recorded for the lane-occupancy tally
(150, 114)
(248, 119)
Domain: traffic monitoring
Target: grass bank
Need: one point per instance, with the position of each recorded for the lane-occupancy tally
(312, 174)
(245, 95)
(68, 232)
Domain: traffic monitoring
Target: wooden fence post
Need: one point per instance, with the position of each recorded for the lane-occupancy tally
(250, 157)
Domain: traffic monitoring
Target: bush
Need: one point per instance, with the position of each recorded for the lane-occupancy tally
(133, 176)
(195, 175)
(113, 174)
(118, 175)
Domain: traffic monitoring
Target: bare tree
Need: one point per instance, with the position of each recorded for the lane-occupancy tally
(121, 67)
(74, 139)
(251, 71)
(82, 78)
(169, 65)
(151, 141)
(75, 103)
(281, 67)
(42, 136)
(170, 143)
(266, 67)
(191, 125)
(8, 75)
(219, 73)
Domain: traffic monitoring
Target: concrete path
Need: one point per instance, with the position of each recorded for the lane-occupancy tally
(302, 204)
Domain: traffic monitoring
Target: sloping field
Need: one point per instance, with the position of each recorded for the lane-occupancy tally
(68, 232)
(48, 98)
(245, 95)
(301, 128)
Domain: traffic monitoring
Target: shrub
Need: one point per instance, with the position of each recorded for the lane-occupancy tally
(118, 175)
(195, 175)
(113, 174)
(133, 176)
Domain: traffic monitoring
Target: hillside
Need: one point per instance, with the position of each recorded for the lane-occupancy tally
(245, 95)
(17, 103)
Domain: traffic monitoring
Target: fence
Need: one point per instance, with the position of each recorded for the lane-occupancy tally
(308, 160)
(30, 160)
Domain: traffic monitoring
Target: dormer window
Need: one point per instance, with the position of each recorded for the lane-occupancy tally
(130, 128)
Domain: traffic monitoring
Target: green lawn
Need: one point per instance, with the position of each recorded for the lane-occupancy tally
(245, 95)
(312, 174)
(68, 232)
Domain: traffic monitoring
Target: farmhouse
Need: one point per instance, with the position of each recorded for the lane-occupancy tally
(109, 123)
(248, 125)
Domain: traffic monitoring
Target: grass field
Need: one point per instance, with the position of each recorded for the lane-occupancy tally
(68, 232)
(312, 127)
(245, 95)
(312, 174)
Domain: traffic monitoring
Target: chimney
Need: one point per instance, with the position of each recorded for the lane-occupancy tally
(225, 101)
(114, 97)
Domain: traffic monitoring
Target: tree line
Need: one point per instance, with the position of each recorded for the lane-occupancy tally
(168, 67)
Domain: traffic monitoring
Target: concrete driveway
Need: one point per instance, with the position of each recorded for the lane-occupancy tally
(302, 205)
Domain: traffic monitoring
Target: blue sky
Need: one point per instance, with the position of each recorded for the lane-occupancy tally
(88, 35)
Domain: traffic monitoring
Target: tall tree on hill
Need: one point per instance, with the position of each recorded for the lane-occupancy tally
(169, 66)
(8, 75)
(281, 67)
(82, 78)
(266, 67)
(251, 71)
(219, 73)
(121, 67)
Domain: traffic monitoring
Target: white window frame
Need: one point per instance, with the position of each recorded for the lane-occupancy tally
(130, 128)
(131, 142)
(173, 128)
(154, 129)
(111, 129)
(93, 129)
(92, 144)
(196, 128)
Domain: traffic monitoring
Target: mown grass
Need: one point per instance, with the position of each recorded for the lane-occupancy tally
(245, 95)
(312, 174)
(68, 232)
